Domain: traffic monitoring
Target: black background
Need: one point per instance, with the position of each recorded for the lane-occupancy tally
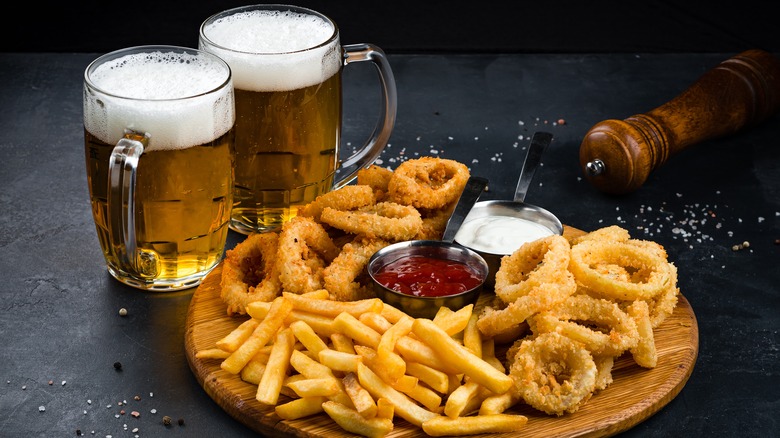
(420, 26)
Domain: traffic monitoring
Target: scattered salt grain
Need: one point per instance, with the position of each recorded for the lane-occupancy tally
(41, 408)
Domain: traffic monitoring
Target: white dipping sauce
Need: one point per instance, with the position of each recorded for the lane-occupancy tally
(499, 234)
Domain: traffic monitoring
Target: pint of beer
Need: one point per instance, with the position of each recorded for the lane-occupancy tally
(158, 138)
(287, 64)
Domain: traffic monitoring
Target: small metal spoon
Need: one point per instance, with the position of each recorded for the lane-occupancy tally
(517, 207)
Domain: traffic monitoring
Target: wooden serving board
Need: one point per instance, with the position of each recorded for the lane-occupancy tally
(635, 394)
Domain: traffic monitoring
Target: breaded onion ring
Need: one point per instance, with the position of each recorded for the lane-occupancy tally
(599, 324)
(345, 198)
(538, 299)
(342, 276)
(385, 220)
(305, 249)
(644, 353)
(604, 366)
(249, 273)
(612, 233)
(378, 178)
(534, 263)
(553, 373)
(650, 274)
(434, 222)
(428, 182)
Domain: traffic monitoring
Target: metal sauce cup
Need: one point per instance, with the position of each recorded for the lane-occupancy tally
(521, 222)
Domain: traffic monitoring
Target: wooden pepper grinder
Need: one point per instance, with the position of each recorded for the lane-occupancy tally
(617, 156)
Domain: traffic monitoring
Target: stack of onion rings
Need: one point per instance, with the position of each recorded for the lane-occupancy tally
(330, 242)
(531, 280)
(619, 290)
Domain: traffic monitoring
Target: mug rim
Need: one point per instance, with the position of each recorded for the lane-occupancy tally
(102, 59)
(268, 7)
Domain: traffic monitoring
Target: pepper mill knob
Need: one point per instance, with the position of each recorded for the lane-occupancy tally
(617, 156)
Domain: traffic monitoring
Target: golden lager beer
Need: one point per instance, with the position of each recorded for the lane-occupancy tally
(287, 64)
(158, 138)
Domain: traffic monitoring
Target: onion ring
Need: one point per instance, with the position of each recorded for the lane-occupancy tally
(534, 263)
(378, 178)
(644, 353)
(345, 198)
(385, 220)
(341, 277)
(597, 323)
(604, 366)
(541, 298)
(612, 233)
(428, 182)
(434, 222)
(650, 273)
(249, 273)
(304, 250)
(553, 373)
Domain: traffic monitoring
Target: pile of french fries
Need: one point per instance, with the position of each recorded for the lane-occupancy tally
(365, 362)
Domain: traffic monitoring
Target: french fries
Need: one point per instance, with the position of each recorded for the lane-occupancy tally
(364, 363)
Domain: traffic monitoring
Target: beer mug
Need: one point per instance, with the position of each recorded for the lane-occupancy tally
(287, 70)
(158, 139)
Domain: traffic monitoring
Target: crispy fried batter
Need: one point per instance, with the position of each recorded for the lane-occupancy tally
(249, 273)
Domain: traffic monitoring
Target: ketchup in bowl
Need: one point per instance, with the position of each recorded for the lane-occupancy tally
(423, 276)
(420, 276)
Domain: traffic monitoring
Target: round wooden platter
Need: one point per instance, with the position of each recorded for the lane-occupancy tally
(635, 394)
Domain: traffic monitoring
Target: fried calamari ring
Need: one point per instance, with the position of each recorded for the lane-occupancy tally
(598, 324)
(378, 178)
(650, 274)
(305, 249)
(345, 198)
(644, 353)
(540, 298)
(342, 276)
(604, 366)
(612, 233)
(534, 263)
(428, 182)
(553, 373)
(434, 222)
(385, 220)
(249, 273)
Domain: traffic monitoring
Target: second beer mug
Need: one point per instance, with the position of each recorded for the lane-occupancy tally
(158, 140)
(287, 63)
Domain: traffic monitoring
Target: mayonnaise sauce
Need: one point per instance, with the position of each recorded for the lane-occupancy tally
(499, 234)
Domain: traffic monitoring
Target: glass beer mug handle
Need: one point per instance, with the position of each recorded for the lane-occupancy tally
(384, 127)
(121, 194)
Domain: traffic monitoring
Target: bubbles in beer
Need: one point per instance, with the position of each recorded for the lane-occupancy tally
(166, 94)
(274, 50)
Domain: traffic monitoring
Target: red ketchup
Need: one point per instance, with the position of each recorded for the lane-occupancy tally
(427, 277)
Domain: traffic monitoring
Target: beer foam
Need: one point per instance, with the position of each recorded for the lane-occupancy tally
(267, 49)
(165, 94)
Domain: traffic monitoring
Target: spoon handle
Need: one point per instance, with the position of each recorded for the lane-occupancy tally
(474, 187)
(539, 143)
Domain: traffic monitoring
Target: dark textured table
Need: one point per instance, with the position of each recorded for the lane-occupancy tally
(59, 314)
